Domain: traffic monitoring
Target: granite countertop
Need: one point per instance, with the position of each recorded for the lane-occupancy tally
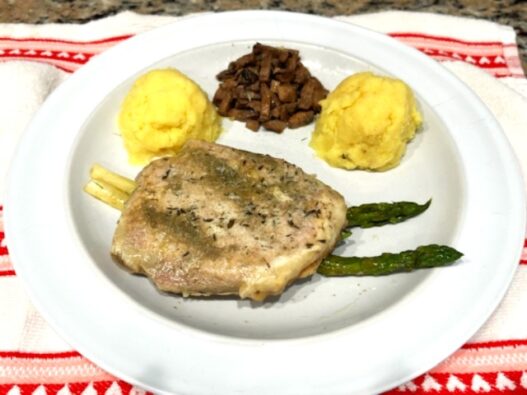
(507, 12)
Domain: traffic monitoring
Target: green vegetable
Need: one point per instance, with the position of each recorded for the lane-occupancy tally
(377, 214)
(427, 256)
(344, 234)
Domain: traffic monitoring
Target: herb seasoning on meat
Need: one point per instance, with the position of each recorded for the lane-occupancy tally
(229, 233)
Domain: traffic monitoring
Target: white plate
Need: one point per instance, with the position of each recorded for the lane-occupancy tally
(331, 336)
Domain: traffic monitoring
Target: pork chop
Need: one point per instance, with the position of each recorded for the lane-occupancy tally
(215, 220)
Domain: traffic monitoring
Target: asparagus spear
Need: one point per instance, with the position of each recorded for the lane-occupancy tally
(109, 187)
(377, 214)
(427, 256)
(99, 173)
(107, 193)
(344, 234)
(114, 190)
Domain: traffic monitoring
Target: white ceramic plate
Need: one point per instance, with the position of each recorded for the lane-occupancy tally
(330, 336)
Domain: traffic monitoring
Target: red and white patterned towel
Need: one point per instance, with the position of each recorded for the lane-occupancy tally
(36, 59)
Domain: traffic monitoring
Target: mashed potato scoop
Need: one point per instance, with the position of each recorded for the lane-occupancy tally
(163, 109)
(366, 122)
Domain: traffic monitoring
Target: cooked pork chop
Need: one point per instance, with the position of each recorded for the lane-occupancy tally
(215, 220)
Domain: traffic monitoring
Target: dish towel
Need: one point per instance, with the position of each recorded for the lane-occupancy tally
(34, 60)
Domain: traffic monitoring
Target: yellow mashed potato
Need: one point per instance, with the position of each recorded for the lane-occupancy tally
(164, 109)
(366, 122)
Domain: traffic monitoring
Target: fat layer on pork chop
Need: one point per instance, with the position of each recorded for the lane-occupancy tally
(215, 220)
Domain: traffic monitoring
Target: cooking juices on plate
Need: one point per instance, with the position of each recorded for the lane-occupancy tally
(206, 219)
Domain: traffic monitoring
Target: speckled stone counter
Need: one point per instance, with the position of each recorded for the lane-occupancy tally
(507, 12)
